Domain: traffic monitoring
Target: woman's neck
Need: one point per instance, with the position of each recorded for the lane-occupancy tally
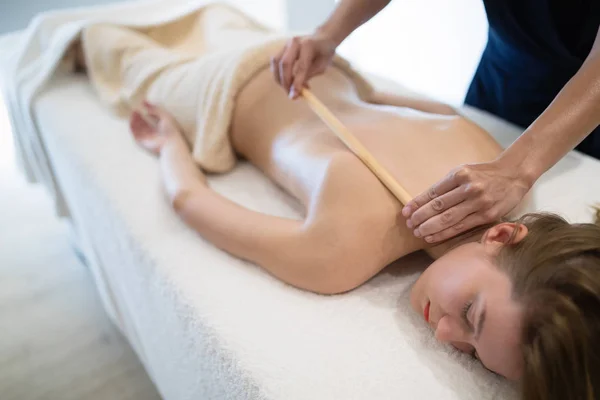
(474, 235)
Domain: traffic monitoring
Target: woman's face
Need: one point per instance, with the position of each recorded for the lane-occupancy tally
(467, 301)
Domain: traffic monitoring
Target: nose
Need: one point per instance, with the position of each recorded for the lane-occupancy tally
(448, 330)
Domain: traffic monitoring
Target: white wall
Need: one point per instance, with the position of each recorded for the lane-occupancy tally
(16, 14)
(304, 15)
(269, 12)
(430, 46)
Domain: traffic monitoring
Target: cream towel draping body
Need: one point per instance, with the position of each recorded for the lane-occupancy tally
(194, 68)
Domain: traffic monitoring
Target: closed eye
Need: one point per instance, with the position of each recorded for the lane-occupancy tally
(465, 312)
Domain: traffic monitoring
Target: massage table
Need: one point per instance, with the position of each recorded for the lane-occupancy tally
(206, 325)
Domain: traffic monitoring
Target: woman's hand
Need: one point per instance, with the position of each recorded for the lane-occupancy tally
(302, 58)
(469, 196)
(152, 127)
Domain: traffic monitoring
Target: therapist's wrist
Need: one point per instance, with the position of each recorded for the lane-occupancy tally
(524, 168)
(331, 32)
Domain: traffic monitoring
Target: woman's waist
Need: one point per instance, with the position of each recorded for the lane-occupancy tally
(264, 101)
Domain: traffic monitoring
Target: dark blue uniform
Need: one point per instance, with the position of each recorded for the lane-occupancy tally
(534, 47)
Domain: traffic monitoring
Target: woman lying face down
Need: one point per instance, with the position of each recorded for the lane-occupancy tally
(523, 297)
(520, 296)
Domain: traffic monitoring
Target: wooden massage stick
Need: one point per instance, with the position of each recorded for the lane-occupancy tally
(355, 146)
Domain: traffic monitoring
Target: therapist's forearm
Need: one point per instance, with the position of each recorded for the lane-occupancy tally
(574, 113)
(348, 16)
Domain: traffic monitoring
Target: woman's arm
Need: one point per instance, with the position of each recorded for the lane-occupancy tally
(276, 244)
(288, 249)
(279, 245)
(429, 106)
(284, 247)
(247, 234)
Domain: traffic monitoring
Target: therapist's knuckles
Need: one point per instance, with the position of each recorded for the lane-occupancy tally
(417, 218)
(438, 224)
(475, 188)
(432, 193)
(459, 227)
(485, 201)
(437, 204)
(447, 218)
(463, 174)
(431, 210)
(490, 215)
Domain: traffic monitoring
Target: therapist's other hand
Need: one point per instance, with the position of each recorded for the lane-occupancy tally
(302, 58)
(469, 196)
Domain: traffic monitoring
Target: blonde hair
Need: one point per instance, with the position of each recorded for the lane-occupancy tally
(555, 271)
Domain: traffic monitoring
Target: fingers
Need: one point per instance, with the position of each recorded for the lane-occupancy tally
(301, 69)
(147, 109)
(153, 109)
(445, 185)
(469, 196)
(470, 222)
(286, 65)
(438, 205)
(300, 59)
(149, 113)
(275, 65)
(136, 122)
(140, 126)
(449, 218)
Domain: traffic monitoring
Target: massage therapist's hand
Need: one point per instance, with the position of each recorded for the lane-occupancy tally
(469, 196)
(302, 58)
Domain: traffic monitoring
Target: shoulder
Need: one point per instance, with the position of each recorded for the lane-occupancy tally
(356, 225)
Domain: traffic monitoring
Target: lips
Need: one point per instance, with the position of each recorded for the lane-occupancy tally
(426, 311)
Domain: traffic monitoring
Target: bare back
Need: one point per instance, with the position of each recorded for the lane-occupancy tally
(353, 226)
(288, 143)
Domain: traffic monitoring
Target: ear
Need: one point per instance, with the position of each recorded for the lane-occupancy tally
(504, 232)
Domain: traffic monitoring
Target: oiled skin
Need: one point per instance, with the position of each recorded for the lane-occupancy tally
(349, 213)
(352, 226)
